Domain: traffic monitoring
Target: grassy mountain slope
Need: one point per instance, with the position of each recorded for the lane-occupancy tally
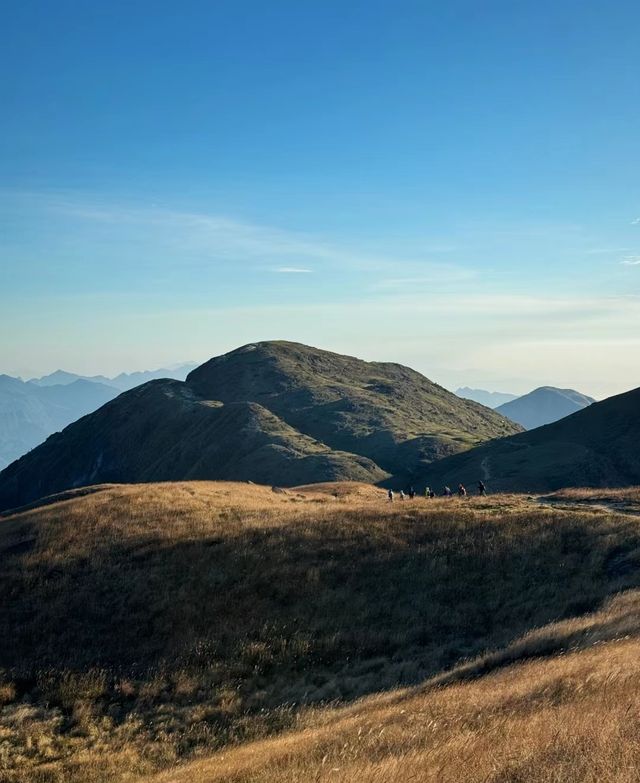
(544, 406)
(595, 447)
(161, 430)
(387, 412)
(154, 623)
(276, 413)
(564, 718)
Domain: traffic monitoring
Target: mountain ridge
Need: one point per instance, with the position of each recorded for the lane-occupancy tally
(123, 381)
(271, 412)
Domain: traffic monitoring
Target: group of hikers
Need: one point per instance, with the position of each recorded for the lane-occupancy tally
(429, 493)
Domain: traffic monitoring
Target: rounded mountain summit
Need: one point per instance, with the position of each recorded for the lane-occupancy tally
(270, 412)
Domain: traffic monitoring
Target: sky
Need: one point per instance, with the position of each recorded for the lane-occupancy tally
(454, 186)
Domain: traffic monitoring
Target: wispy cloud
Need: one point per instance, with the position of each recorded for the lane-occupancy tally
(199, 239)
(430, 275)
(635, 222)
(291, 270)
(631, 260)
(217, 234)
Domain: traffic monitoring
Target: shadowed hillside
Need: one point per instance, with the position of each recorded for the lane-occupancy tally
(153, 623)
(596, 447)
(278, 413)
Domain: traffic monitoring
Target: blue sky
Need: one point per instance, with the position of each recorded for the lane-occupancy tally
(450, 185)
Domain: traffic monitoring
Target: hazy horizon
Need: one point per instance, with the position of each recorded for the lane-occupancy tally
(515, 386)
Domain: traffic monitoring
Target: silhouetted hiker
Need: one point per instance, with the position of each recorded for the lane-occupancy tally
(390, 495)
(447, 492)
(412, 493)
(462, 492)
(432, 494)
(401, 494)
(482, 490)
(427, 492)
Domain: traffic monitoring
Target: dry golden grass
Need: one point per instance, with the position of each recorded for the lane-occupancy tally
(569, 719)
(621, 501)
(146, 625)
(585, 493)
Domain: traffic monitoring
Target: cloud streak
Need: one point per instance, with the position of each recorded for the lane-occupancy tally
(197, 239)
(291, 270)
(432, 275)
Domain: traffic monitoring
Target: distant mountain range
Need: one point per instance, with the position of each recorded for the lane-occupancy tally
(30, 412)
(597, 447)
(271, 412)
(488, 398)
(544, 406)
(123, 382)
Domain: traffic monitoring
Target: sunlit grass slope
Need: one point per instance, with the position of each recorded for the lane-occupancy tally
(148, 625)
(567, 719)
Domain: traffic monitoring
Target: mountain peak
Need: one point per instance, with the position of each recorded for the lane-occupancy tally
(272, 412)
(544, 405)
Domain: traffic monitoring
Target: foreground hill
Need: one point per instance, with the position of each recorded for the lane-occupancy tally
(147, 625)
(544, 406)
(278, 413)
(29, 413)
(596, 447)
